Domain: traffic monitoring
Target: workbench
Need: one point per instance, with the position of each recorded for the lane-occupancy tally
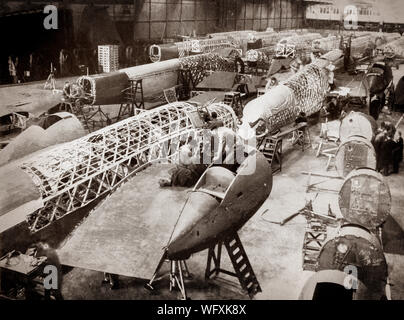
(25, 270)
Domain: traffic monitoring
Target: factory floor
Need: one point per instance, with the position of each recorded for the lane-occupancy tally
(275, 251)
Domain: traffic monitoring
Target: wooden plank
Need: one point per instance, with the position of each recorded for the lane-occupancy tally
(289, 130)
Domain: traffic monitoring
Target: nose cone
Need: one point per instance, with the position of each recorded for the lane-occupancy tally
(205, 220)
(185, 236)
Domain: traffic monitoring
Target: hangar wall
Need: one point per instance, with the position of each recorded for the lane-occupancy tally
(158, 19)
(167, 19)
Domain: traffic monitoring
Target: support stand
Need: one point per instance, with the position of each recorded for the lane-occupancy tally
(136, 97)
(243, 269)
(125, 110)
(103, 118)
(178, 272)
(189, 80)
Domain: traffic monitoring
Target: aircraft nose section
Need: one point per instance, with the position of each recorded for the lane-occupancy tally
(185, 236)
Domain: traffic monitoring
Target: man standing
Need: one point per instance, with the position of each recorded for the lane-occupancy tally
(347, 53)
(387, 154)
(377, 143)
(398, 153)
(400, 146)
(12, 68)
(63, 59)
(331, 75)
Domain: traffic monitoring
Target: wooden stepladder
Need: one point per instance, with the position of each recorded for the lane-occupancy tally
(233, 99)
(271, 147)
(239, 259)
(136, 96)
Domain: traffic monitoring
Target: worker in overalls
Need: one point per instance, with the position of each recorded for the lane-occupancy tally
(398, 153)
(390, 85)
(66, 90)
(63, 63)
(189, 169)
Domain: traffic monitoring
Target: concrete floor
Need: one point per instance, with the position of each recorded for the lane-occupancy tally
(275, 251)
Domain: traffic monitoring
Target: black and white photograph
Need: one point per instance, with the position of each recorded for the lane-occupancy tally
(226, 151)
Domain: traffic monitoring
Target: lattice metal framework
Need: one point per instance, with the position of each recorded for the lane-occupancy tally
(304, 91)
(260, 55)
(328, 43)
(394, 48)
(290, 45)
(72, 175)
(202, 46)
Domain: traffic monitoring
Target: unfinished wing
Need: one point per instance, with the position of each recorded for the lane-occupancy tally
(28, 98)
(125, 235)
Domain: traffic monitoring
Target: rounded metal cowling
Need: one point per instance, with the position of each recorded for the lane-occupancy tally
(356, 250)
(353, 153)
(357, 124)
(365, 198)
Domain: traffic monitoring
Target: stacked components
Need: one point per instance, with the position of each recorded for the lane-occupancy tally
(351, 264)
(108, 58)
